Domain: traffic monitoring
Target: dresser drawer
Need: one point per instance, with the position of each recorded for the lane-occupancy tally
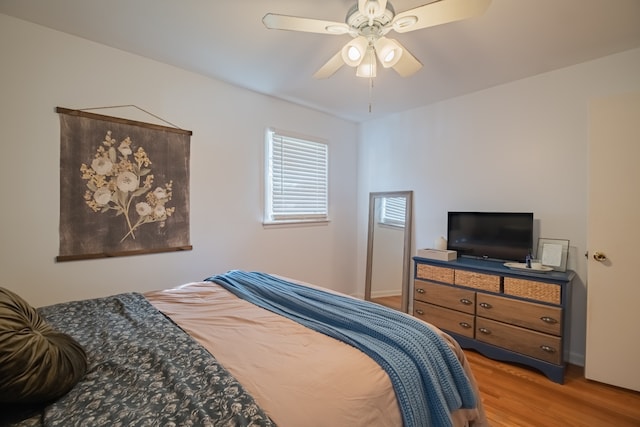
(542, 318)
(431, 272)
(546, 292)
(530, 343)
(486, 282)
(445, 296)
(444, 318)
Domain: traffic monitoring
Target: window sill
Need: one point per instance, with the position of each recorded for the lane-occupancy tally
(296, 223)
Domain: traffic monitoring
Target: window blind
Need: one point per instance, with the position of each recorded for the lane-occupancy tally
(393, 211)
(297, 178)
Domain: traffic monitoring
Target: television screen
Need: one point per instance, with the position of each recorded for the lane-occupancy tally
(504, 236)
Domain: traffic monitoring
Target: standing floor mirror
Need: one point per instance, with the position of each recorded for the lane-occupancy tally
(389, 249)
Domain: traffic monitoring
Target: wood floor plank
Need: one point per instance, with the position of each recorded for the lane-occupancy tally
(392, 301)
(518, 396)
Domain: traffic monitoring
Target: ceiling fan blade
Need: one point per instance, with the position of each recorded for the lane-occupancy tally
(328, 69)
(309, 25)
(408, 64)
(438, 12)
(372, 8)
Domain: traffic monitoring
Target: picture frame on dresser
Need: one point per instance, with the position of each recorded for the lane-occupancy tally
(553, 253)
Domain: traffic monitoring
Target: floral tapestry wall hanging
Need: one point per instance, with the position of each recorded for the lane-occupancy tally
(124, 187)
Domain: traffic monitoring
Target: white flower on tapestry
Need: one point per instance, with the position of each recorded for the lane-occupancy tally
(119, 179)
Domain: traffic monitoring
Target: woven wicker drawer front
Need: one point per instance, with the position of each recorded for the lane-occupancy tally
(430, 272)
(534, 344)
(443, 318)
(446, 296)
(533, 290)
(486, 282)
(540, 317)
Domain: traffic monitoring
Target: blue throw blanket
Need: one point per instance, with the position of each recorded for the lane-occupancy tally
(427, 377)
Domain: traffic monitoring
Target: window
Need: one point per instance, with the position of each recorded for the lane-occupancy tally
(296, 179)
(393, 211)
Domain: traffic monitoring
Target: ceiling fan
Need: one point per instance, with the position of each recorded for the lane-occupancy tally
(368, 22)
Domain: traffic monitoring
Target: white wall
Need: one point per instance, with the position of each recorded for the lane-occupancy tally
(42, 69)
(516, 147)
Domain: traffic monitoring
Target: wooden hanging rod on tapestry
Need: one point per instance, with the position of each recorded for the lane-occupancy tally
(82, 113)
(62, 258)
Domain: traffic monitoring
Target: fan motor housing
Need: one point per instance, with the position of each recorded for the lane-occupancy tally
(360, 22)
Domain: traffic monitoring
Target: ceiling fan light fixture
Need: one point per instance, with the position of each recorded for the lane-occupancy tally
(354, 51)
(367, 67)
(368, 22)
(354, 54)
(389, 51)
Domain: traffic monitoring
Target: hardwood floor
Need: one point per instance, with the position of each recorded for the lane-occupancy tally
(394, 301)
(517, 396)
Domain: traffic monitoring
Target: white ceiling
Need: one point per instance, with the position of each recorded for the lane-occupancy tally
(226, 39)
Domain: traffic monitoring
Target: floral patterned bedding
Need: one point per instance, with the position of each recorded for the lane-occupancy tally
(143, 371)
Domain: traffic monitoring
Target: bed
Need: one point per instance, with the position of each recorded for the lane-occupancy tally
(248, 349)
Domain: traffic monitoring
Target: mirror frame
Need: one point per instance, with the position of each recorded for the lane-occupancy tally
(406, 258)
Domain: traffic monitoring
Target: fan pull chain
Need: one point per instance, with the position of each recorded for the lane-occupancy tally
(370, 93)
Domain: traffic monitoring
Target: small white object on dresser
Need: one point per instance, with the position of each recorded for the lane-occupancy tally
(439, 254)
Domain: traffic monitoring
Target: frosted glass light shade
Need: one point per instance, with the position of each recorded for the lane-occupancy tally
(367, 67)
(354, 51)
(389, 51)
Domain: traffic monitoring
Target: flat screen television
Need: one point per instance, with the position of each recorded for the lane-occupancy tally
(503, 236)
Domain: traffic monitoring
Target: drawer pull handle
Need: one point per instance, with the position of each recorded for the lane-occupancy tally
(420, 291)
(485, 331)
(548, 349)
(466, 301)
(550, 320)
(486, 305)
(420, 312)
(465, 325)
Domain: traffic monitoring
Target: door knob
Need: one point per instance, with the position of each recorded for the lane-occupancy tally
(599, 256)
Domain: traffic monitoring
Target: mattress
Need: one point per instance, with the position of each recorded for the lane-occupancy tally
(298, 376)
(200, 355)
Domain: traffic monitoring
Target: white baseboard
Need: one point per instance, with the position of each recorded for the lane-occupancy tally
(576, 359)
(382, 294)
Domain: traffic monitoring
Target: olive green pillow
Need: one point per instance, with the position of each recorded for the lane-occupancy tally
(37, 363)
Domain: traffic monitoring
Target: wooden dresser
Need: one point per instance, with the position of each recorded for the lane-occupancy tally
(510, 315)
